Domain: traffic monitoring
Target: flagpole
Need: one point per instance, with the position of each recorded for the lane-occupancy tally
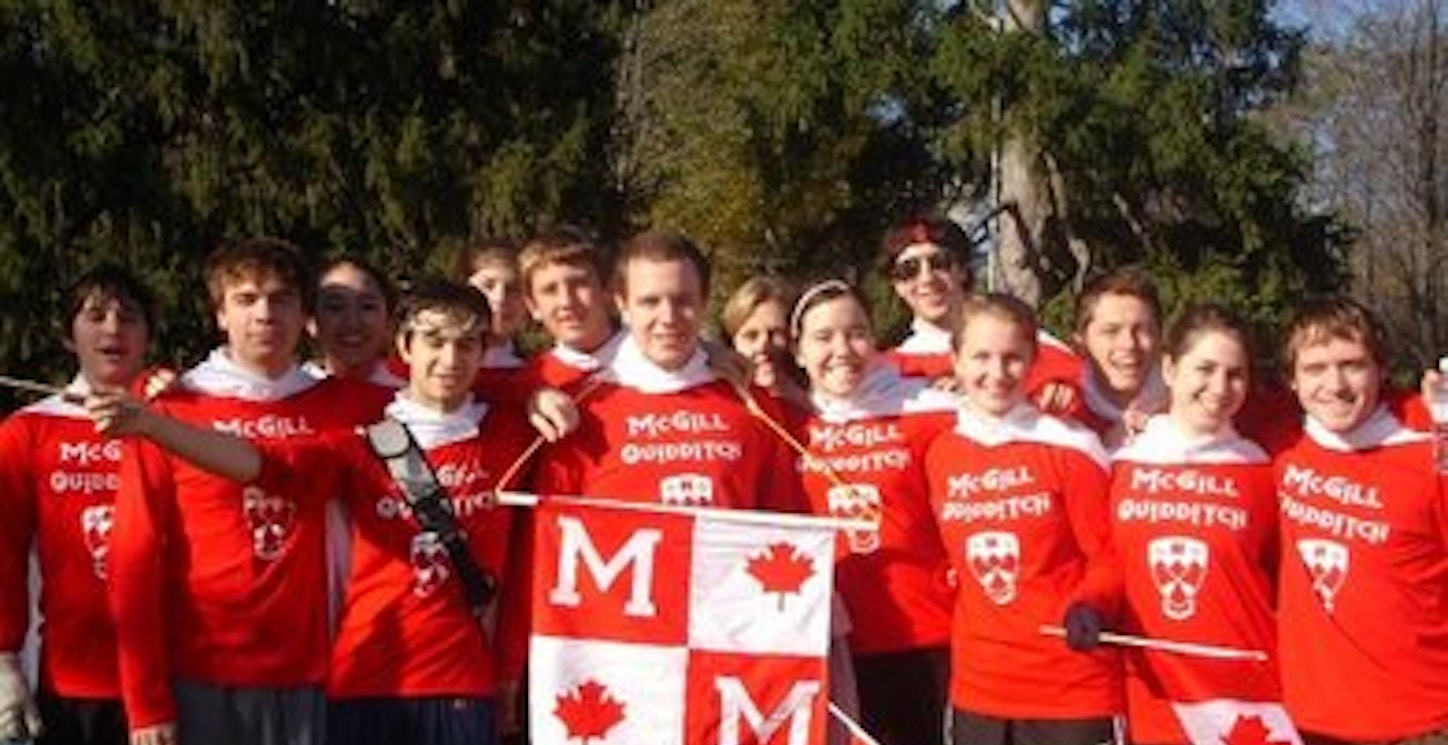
(856, 731)
(810, 459)
(1191, 649)
(34, 387)
(538, 442)
(510, 498)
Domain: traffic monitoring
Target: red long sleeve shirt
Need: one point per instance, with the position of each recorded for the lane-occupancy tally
(1363, 610)
(695, 447)
(1021, 508)
(1194, 524)
(218, 582)
(58, 481)
(406, 629)
(893, 581)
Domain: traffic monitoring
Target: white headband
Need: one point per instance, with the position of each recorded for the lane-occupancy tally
(808, 296)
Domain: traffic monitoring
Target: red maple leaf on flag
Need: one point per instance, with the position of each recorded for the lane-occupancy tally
(781, 569)
(1249, 730)
(588, 711)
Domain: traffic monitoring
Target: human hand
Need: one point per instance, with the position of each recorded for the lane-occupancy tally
(1083, 627)
(19, 718)
(1055, 398)
(157, 734)
(117, 413)
(553, 413)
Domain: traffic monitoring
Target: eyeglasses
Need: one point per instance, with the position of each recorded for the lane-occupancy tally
(909, 268)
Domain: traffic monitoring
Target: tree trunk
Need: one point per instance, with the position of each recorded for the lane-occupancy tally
(1024, 187)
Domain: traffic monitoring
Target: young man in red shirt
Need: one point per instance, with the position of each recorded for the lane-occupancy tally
(663, 427)
(927, 260)
(58, 481)
(219, 591)
(414, 659)
(1362, 603)
(564, 290)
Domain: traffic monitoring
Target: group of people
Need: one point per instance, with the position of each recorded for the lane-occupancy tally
(241, 558)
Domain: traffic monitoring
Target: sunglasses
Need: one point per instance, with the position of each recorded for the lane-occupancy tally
(909, 268)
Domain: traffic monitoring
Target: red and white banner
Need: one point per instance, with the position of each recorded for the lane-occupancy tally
(1230, 722)
(672, 627)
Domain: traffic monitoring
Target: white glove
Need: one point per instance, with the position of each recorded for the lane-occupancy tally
(19, 719)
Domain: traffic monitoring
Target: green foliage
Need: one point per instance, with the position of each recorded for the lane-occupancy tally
(1147, 111)
(147, 132)
(783, 136)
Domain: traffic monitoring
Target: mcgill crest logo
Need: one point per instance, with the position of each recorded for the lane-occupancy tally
(1327, 564)
(271, 519)
(1178, 568)
(95, 526)
(995, 559)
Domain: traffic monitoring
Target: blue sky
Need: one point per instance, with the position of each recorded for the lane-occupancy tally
(1327, 18)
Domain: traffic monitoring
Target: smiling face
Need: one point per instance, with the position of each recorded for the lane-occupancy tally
(1338, 382)
(350, 324)
(835, 345)
(1208, 381)
(108, 336)
(569, 301)
(662, 304)
(262, 318)
(1121, 340)
(763, 338)
(993, 355)
(498, 280)
(443, 351)
(930, 281)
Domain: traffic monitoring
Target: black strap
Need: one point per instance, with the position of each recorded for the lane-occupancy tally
(394, 445)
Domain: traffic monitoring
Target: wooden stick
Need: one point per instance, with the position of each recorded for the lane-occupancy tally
(747, 517)
(538, 442)
(811, 460)
(34, 387)
(856, 731)
(1191, 649)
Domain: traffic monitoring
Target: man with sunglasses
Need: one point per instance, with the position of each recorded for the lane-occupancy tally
(927, 259)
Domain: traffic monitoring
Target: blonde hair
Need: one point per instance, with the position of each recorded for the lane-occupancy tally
(999, 306)
(564, 245)
(755, 291)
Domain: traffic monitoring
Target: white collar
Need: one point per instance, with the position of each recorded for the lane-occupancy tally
(220, 376)
(1380, 429)
(432, 428)
(502, 357)
(1025, 423)
(56, 405)
(1152, 393)
(883, 392)
(630, 368)
(925, 338)
(588, 361)
(1162, 442)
